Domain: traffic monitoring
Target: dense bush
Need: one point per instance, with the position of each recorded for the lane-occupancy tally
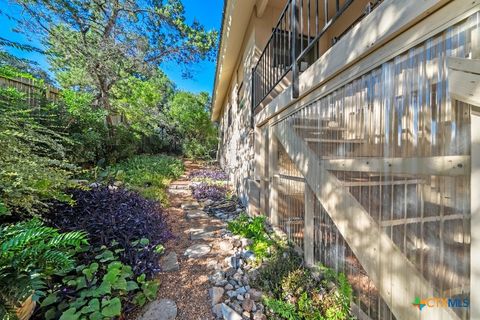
(33, 168)
(30, 253)
(117, 219)
(147, 175)
(190, 113)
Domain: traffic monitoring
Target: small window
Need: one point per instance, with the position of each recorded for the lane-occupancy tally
(229, 115)
(240, 100)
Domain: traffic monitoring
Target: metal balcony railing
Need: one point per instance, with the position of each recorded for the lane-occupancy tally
(295, 38)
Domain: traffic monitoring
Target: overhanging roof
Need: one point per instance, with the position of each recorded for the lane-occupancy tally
(236, 16)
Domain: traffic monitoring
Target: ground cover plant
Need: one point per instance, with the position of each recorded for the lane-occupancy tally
(149, 175)
(30, 254)
(205, 191)
(101, 287)
(118, 219)
(211, 174)
(293, 292)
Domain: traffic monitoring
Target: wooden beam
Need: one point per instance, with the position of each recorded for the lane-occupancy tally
(309, 228)
(273, 182)
(396, 278)
(261, 5)
(437, 166)
(464, 80)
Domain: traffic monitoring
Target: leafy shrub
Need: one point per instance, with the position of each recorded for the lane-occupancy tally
(102, 288)
(254, 229)
(204, 191)
(120, 217)
(147, 175)
(33, 168)
(30, 253)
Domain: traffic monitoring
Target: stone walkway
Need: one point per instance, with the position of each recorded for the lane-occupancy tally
(201, 274)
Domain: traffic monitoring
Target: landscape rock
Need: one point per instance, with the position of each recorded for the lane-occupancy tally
(169, 262)
(190, 205)
(198, 250)
(216, 294)
(230, 314)
(255, 295)
(217, 276)
(225, 245)
(217, 310)
(248, 305)
(163, 309)
(196, 214)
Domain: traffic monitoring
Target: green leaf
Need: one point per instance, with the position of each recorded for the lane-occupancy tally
(105, 256)
(144, 241)
(141, 278)
(50, 314)
(96, 316)
(49, 300)
(120, 284)
(112, 308)
(159, 249)
(112, 276)
(140, 299)
(93, 305)
(81, 282)
(70, 314)
(103, 289)
(132, 285)
(150, 289)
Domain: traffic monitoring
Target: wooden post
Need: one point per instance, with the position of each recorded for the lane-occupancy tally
(309, 227)
(474, 199)
(273, 181)
(475, 219)
(295, 71)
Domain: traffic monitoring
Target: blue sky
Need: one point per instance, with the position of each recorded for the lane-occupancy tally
(208, 12)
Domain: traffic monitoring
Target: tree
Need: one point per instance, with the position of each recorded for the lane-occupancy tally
(96, 43)
(191, 115)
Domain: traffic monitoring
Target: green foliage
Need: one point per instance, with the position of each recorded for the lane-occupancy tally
(191, 115)
(285, 310)
(147, 175)
(108, 48)
(85, 126)
(254, 229)
(99, 290)
(33, 166)
(29, 254)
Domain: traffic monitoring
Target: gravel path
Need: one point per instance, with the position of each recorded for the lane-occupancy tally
(187, 284)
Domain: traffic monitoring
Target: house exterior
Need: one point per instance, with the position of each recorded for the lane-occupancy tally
(353, 125)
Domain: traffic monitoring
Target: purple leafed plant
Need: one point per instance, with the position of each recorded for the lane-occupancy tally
(209, 174)
(204, 191)
(120, 217)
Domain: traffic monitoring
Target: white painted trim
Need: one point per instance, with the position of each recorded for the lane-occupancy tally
(475, 220)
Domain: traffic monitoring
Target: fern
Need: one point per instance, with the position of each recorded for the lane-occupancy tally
(30, 252)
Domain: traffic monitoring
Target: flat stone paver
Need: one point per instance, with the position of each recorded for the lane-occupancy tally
(169, 262)
(196, 214)
(163, 309)
(190, 205)
(198, 250)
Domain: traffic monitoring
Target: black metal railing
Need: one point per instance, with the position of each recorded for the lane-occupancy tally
(295, 38)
